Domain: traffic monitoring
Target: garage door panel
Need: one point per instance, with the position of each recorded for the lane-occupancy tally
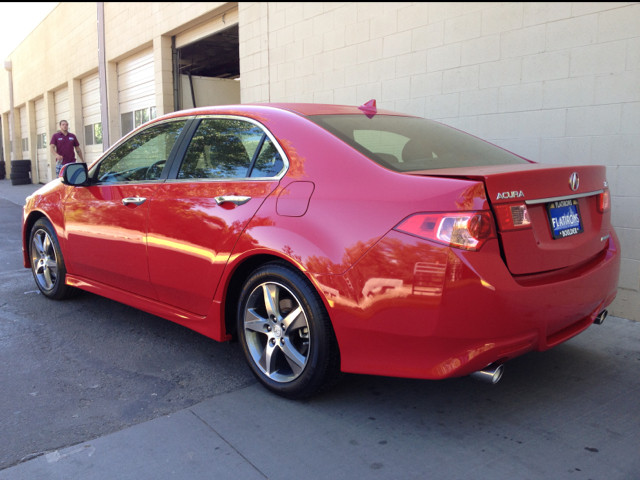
(136, 87)
(61, 102)
(130, 95)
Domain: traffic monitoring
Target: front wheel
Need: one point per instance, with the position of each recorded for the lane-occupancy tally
(47, 263)
(285, 332)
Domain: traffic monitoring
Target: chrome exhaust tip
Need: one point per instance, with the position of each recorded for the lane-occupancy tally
(601, 317)
(491, 374)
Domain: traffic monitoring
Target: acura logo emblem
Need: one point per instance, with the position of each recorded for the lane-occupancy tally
(574, 181)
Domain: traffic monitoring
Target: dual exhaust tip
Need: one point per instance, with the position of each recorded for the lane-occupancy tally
(493, 373)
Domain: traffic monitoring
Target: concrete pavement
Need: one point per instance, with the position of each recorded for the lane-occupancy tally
(569, 413)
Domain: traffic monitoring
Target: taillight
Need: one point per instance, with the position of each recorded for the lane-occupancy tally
(512, 216)
(604, 201)
(467, 230)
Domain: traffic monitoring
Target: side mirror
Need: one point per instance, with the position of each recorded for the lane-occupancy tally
(75, 174)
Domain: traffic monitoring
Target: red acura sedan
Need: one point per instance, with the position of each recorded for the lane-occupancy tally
(333, 238)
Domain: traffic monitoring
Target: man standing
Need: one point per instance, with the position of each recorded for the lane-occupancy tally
(64, 146)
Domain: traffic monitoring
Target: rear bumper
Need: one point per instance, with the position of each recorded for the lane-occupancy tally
(410, 308)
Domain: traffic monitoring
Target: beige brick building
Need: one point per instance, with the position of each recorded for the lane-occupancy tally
(554, 82)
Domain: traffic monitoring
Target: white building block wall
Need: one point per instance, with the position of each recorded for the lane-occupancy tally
(554, 82)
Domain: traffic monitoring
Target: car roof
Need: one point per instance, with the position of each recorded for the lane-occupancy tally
(303, 109)
(325, 109)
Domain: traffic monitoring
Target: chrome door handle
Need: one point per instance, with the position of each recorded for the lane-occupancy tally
(235, 199)
(134, 200)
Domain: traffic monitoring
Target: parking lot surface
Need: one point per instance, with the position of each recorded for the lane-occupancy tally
(96, 390)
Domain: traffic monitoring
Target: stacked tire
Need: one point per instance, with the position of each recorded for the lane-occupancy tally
(3, 170)
(20, 172)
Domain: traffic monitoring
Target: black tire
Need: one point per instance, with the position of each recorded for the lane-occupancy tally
(18, 163)
(20, 172)
(47, 263)
(21, 169)
(20, 180)
(286, 334)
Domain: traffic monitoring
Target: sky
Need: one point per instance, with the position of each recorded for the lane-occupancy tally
(17, 21)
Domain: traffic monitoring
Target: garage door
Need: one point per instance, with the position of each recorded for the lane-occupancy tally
(91, 118)
(42, 144)
(136, 91)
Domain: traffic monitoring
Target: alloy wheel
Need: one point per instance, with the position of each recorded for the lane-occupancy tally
(43, 260)
(277, 332)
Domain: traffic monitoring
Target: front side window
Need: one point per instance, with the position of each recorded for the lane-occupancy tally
(141, 157)
(406, 144)
(224, 148)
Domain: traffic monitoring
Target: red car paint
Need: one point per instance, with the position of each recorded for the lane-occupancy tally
(399, 304)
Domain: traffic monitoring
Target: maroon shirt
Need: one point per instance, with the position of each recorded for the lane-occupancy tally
(65, 146)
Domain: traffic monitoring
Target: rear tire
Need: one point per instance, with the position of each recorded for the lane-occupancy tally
(285, 332)
(47, 263)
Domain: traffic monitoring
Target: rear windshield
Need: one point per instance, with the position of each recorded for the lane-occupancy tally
(407, 144)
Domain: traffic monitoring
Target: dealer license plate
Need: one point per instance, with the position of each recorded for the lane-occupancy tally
(564, 218)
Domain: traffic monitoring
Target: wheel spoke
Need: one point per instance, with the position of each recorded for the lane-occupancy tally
(49, 277)
(46, 244)
(271, 295)
(268, 359)
(255, 322)
(293, 357)
(51, 269)
(295, 320)
(37, 243)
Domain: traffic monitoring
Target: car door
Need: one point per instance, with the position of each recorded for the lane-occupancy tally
(106, 223)
(230, 166)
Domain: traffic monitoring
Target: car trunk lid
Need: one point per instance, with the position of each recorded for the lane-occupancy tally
(548, 217)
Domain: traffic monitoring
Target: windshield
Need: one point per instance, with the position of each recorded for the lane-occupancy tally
(406, 144)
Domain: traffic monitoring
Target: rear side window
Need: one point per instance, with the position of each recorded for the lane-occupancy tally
(406, 144)
(224, 148)
(268, 163)
(220, 148)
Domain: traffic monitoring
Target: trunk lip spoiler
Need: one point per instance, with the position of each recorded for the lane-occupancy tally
(565, 197)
